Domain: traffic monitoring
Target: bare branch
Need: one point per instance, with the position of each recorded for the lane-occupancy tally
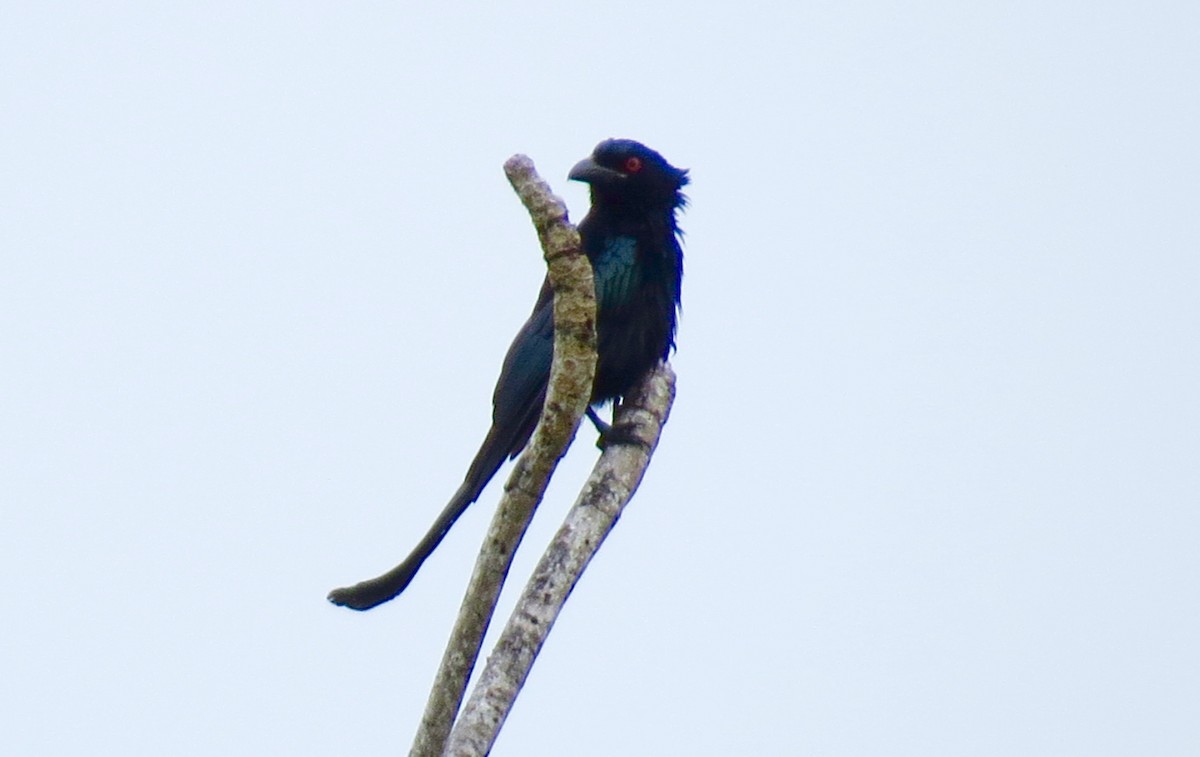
(567, 398)
(638, 424)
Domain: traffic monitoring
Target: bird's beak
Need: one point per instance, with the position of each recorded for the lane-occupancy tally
(591, 172)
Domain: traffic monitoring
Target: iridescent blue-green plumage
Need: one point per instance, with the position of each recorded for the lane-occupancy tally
(632, 240)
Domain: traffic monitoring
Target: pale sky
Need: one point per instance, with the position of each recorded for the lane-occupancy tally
(931, 484)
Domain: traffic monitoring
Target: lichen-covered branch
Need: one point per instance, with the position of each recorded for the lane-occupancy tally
(567, 398)
(638, 423)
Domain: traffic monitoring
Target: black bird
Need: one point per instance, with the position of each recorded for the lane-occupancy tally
(632, 240)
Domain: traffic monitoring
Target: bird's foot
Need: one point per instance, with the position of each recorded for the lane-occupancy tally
(604, 429)
(610, 434)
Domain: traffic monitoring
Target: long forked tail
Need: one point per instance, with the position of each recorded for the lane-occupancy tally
(498, 445)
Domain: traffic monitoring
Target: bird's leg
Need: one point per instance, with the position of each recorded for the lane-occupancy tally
(603, 428)
(610, 434)
(600, 425)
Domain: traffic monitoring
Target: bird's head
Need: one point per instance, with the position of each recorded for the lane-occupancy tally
(626, 171)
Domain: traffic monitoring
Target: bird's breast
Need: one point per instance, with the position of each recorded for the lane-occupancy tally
(616, 270)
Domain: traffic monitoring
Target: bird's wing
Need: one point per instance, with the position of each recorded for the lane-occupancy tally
(521, 389)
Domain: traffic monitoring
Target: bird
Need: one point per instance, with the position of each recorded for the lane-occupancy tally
(632, 239)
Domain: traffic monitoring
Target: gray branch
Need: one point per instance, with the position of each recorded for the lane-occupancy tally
(567, 397)
(638, 422)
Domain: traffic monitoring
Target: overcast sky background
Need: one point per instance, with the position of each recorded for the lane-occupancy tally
(931, 484)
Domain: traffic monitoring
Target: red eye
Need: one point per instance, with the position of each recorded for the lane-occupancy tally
(633, 165)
